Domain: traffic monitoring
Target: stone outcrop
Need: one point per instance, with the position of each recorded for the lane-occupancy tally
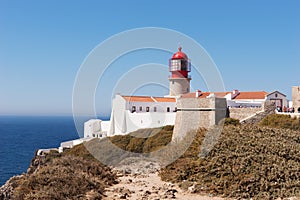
(6, 190)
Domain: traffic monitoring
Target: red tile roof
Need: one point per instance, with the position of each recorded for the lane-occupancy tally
(165, 99)
(204, 94)
(148, 99)
(138, 98)
(251, 95)
(241, 95)
(193, 95)
(221, 94)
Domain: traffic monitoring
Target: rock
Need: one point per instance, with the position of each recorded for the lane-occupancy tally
(124, 196)
(6, 190)
(171, 193)
(147, 192)
(191, 189)
(127, 171)
(124, 193)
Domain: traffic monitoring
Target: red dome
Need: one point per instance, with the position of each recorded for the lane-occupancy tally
(180, 55)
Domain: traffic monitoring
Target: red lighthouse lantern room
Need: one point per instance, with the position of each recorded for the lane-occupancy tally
(179, 65)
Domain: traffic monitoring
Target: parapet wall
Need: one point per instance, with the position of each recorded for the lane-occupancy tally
(268, 109)
(193, 113)
(243, 113)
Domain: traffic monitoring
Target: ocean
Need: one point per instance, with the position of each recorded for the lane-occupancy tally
(20, 137)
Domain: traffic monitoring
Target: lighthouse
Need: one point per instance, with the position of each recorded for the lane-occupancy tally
(179, 66)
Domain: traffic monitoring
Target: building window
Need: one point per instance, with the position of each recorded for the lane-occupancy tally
(133, 109)
(141, 108)
(147, 109)
(168, 109)
(154, 109)
(276, 95)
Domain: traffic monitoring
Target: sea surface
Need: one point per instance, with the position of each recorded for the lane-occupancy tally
(21, 136)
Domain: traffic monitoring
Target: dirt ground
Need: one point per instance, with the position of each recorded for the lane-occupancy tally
(138, 179)
(150, 186)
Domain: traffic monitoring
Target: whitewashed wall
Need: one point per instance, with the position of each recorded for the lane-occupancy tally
(123, 120)
(92, 126)
(117, 117)
(160, 106)
(279, 96)
(135, 121)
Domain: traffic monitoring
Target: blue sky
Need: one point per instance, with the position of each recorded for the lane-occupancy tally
(255, 45)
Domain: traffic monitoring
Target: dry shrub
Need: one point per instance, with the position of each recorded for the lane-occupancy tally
(231, 121)
(67, 177)
(247, 162)
(78, 151)
(281, 121)
(113, 150)
(144, 140)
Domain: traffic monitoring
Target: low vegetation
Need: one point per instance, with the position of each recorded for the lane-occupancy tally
(113, 150)
(281, 121)
(76, 174)
(259, 162)
(144, 140)
(64, 177)
(246, 162)
(231, 121)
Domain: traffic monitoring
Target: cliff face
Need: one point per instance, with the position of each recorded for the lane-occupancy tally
(76, 174)
(6, 191)
(247, 161)
(57, 176)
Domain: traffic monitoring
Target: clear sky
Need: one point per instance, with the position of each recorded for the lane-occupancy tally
(255, 44)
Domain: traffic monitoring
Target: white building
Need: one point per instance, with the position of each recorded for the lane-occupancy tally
(96, 128)
(130, 113)
(279, 99)
(247, 99)
(238, 99)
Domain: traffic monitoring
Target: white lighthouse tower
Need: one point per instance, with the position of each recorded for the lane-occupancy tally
(179, 66)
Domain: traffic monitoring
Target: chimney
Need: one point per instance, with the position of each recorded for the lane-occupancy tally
(211, 95)
(198, 93)
(235, 93)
